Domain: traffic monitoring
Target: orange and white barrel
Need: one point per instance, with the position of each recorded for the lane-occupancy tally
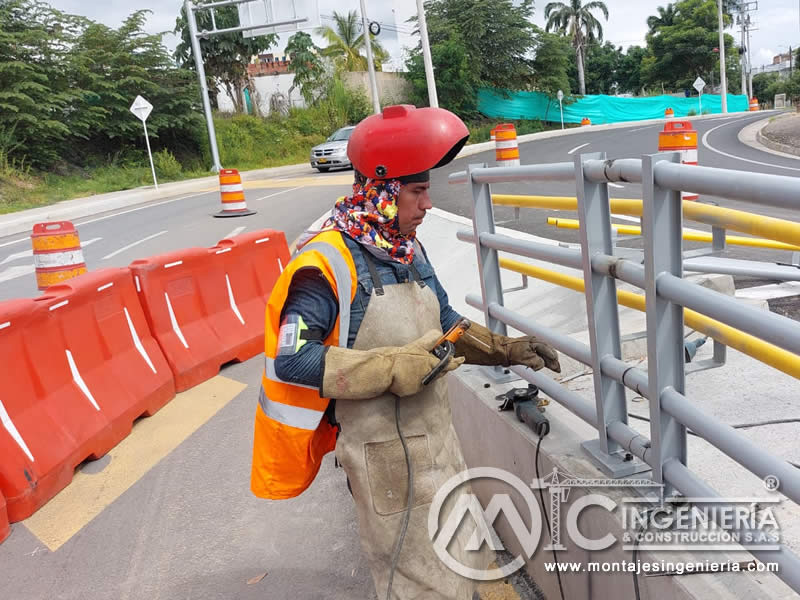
(669, 113)
(231, 193)
(678, 136)
(506, 146)
(754, 105)
(57, 253)
(585, 122)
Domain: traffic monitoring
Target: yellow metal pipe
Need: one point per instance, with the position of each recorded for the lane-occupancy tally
(691, 236)
(763, 351)
(760, 226)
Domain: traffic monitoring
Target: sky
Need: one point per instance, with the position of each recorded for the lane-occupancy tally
(778, 21)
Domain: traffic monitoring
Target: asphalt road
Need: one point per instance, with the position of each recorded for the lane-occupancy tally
(177, 520)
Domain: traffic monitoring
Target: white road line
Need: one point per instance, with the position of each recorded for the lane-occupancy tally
(642, 128)
(578, 147)
(235, 232)
(129, 246)
(25, 239)
(22, 270)
(278, 193)
(733, 156)
(14, 272)
(125, 212)
(16, 255)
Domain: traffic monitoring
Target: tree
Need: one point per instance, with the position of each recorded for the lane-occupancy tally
(577, 21)
(225, 56)
(679, 53)
(629, 71)
(456, 79)
(305, 65)
(665, 18)
(551, 65)
(345, 44)
(603, 64)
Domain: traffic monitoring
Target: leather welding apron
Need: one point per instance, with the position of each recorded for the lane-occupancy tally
(371, 453)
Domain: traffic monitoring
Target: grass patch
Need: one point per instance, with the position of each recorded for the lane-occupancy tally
(480, 131)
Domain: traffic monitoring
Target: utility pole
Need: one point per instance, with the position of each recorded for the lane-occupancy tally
(749, 61)
(723, 78)
(743, 57)
(373, 84)
(433, 99)
(201, 75)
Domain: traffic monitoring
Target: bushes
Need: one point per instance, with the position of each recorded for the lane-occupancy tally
(166, 165)
(480, 131)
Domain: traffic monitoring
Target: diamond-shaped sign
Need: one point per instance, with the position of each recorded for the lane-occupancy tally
(141, 108)
(699, 84)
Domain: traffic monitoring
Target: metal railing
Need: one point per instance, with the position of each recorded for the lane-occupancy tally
(668, 300)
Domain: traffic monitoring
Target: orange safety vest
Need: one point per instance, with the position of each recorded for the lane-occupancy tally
(291, 435)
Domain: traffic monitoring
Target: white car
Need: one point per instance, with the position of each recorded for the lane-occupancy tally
(333, 152)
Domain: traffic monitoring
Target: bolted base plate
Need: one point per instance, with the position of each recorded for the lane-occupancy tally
(613, 465)
(500, 374)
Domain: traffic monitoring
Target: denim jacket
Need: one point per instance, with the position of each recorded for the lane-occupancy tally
(311, 297)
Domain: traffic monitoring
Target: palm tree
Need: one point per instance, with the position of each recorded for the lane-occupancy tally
(576, 20)
(666, 17)
(345, 43)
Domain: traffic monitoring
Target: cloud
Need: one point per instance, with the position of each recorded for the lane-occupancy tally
(763, 56)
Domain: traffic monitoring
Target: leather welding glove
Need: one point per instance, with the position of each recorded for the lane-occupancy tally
(479, 346)
(364, 374)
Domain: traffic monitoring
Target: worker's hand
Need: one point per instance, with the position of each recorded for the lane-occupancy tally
(530, 352)
(480, 346)
(360, 375)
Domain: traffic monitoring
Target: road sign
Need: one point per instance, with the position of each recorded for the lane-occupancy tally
(279, 16)
(141, 108)
(699, 84)
(560, 96)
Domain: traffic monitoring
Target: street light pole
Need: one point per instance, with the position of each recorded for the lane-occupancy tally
(433, 99)
(373, 84)
(201, 75)
(723, 77)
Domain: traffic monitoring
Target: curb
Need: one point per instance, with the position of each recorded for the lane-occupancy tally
(751, 136)
(783, 148)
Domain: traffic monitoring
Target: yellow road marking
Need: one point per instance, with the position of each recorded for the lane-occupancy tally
(151, 440)
(497, 590)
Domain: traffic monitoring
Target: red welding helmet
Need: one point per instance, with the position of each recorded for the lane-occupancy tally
(404, 140)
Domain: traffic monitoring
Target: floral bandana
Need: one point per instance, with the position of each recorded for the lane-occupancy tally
(369, 216)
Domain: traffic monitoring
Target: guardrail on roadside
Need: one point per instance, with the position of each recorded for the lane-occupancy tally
(769, 337)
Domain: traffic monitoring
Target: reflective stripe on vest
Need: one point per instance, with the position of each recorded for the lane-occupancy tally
(341, 273)
(294, 416)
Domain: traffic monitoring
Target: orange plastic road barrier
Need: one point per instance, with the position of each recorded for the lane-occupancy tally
(231, 192)
(506, 146)
(57, 253)
(679, 136)
(754, 105)
(5, 528)
(669, 113)
(492, 134)
(80, 366)
(252, 263)
(585, 122)
(205, 306)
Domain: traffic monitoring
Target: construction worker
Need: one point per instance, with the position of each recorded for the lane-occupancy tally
(350, 326)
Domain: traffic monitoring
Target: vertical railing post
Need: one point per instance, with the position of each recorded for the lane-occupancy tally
(594, 213)
(488, 264)
(663, 251)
